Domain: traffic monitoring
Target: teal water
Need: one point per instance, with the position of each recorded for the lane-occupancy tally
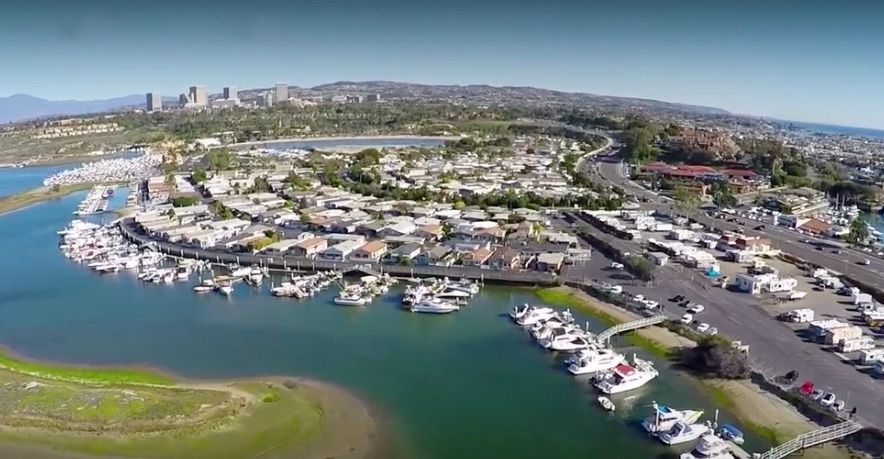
(466, 385)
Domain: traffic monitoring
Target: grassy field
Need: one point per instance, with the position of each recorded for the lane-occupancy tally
(83, 374)
(138, 413)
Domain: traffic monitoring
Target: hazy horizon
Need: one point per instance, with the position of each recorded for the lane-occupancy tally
(789, 60)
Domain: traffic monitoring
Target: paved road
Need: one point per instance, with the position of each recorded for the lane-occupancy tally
(774, 347)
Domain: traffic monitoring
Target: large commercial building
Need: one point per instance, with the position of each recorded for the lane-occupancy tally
(282, 92)
(265, 99)
(230, 93)
(154, 102)
(198, 96)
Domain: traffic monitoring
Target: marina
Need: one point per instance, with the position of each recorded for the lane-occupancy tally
(86, 317)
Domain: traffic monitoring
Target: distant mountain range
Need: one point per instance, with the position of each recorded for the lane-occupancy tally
(20, 107)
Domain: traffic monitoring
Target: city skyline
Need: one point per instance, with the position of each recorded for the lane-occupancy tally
(809, 63)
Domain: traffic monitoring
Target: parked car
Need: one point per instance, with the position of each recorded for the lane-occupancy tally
(687, 319)
(702, 327)
(816, 394)
(677, 298)
(712, 331)
(828, 400)
(759, 227)
(836, 252)
(865, 262)
(838, 406)
(615, 265)
(696, 308)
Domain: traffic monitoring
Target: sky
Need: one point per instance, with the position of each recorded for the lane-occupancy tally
(805, 60)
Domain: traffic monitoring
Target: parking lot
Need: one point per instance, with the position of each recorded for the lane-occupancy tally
(776, 347)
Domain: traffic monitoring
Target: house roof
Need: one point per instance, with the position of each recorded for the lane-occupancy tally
(310, 243)
(815, 225)
(372, 246)
(480, 254)
(505, 253)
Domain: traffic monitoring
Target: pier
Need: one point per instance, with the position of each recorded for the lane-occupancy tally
(628, 326)
(812, 438)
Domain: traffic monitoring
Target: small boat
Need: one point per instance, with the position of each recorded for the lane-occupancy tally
(606, 403)
(665, 417)
(434, 306)
(350, 300)
(732, 434)
(203, 288)
(709, 447)
(683, 432)
(225, 289)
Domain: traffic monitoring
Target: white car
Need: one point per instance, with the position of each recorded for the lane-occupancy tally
(615, 265)
(696, 308)
(651, 304)
(702, 327)
(687, 319)
(616, 289)
(712, 331)
(638, 298)
(828, 399)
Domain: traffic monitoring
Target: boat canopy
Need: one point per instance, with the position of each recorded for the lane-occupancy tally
(732, 431)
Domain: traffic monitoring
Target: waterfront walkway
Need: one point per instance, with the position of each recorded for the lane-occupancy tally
(292, 263)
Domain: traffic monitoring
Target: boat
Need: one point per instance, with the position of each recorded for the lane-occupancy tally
(520, 310)
(683, 432)
(665, 417)
(566, 342)
(225, 289)
(732, 434)
(536, 315)
(203, 288)
(593, 361)
(350, 300)
(606, 403)
(625, 377)
(709, 447)
(244, 271)
(434, 306)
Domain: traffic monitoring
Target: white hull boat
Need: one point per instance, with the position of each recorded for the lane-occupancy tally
(683, 432)
(626, 377)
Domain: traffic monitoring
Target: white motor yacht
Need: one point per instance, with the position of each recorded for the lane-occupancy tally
(225, 289)
(626, 377)
(568, 343)
(536, 315)
(434, 306)
(203, 288)
(709, 447)
(350, 300)
(240, 272)
(665, 417)
(682, 432)
(592, 360)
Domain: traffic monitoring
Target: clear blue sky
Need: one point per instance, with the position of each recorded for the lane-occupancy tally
(800, 60)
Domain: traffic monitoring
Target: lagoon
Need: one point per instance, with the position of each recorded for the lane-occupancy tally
(470, 384)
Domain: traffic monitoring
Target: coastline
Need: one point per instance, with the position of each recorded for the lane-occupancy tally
(343, 138)
(33, 196)
(762, 412)
(267, 416)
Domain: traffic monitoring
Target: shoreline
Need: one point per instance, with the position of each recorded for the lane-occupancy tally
(340, 423)
(343, 138)
(18, 201)
(760, 411)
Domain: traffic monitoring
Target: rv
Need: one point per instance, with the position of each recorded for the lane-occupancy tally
(870, 356)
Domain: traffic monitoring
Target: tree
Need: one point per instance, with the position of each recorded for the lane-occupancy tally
(184, 201)
(685, 198)
(198, 175)
(722, 195)
(459, 205)
(637, 144)
(859, 231)
(717, 358)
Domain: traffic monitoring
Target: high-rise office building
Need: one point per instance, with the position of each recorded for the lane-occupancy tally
(198, 96)
(230, 93)
(265, 99)
(282, 92)
(154, 102)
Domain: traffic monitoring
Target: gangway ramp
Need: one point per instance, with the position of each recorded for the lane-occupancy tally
(812, 438)
(627, 326)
